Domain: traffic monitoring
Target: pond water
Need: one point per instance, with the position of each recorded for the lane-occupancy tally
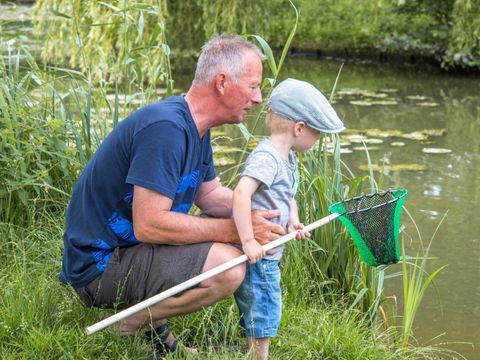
(410, 118)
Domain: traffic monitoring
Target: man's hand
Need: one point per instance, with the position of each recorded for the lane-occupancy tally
(263, 229)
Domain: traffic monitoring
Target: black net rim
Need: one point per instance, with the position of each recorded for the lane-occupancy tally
(394, 193)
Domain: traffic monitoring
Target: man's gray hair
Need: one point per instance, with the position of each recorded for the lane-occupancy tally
(224, 53)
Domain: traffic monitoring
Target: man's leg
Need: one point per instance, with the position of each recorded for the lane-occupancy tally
(207, 293)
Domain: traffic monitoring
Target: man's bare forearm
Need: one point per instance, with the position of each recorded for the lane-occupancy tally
(178, 229)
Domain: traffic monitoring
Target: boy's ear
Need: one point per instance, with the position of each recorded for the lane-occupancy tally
(298, 128)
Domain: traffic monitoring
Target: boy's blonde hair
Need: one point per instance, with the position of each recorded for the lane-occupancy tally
(276, 123)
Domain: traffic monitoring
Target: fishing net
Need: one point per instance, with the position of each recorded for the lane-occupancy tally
(373, 222)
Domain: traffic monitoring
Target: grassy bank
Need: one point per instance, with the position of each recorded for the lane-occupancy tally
(39, 318)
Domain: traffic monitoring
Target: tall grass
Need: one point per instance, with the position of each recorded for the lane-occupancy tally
(35, 149)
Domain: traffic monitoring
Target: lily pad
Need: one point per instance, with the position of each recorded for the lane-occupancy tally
(416, 135)
(355, 138)
(436, 151)
(376, 95)
(224, 162)
(397, 167)
(383, 133)
(222, 149)
(217, 133)
(342, 151)
(350, 92)
(369, 148)
(416, 97)
(398, 143)
(373, 141)
(427, 104)
(387, 102)
(361, 103)
(434, 132)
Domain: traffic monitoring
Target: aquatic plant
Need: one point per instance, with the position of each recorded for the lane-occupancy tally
(115, 41)
(36, 152)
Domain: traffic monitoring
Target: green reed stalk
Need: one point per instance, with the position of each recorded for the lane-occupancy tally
(416, 280)
(268, 83)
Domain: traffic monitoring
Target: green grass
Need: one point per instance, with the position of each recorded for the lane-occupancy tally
(40, 318)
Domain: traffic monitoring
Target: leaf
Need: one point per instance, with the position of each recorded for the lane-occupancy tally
(169, 88)
(141, 24)
(58, 13)
(110, 6)
(268, 53)
(78, 41)
(358, 298)
(246, 134)
(166, 49)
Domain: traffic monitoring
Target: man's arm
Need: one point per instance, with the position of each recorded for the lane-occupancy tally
(153, 222)
(215, 199)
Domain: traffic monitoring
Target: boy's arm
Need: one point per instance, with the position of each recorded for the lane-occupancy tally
(242, 206)
(293, 219)
(294, 222)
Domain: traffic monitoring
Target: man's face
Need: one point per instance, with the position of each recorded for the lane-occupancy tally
(242, 94)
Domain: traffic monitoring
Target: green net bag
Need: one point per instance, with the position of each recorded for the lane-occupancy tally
(373, 222)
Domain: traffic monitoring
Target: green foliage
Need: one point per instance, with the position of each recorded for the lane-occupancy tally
(446, 30)
(118, 40)
(464, 39)
(36, 149)
(121, 40)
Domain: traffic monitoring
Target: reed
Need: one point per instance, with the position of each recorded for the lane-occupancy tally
(114, 41)
(36, 157)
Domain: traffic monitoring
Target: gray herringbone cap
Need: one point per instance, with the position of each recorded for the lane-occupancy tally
(300, 101)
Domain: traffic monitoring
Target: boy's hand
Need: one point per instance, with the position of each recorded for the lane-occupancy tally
(302, 233)
(253, 250)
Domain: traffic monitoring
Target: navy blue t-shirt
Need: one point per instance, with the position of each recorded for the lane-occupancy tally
(157, 147)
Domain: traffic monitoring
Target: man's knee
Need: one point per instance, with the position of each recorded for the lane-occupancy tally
(234, 277)
(229, 280)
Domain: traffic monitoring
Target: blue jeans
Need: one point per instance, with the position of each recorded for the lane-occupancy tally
(259, 299)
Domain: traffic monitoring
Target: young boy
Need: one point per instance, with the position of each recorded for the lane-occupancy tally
(296, 115)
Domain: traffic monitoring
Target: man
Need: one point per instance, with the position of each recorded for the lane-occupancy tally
(128, 233)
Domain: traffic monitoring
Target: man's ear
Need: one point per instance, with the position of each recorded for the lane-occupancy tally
(220, 82)
(298, 128)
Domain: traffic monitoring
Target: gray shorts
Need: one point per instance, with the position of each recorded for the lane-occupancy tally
(138, 272)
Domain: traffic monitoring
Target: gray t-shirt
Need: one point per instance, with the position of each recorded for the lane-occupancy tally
(279, 180)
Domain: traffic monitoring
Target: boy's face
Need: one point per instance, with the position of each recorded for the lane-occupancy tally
(306, 139)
